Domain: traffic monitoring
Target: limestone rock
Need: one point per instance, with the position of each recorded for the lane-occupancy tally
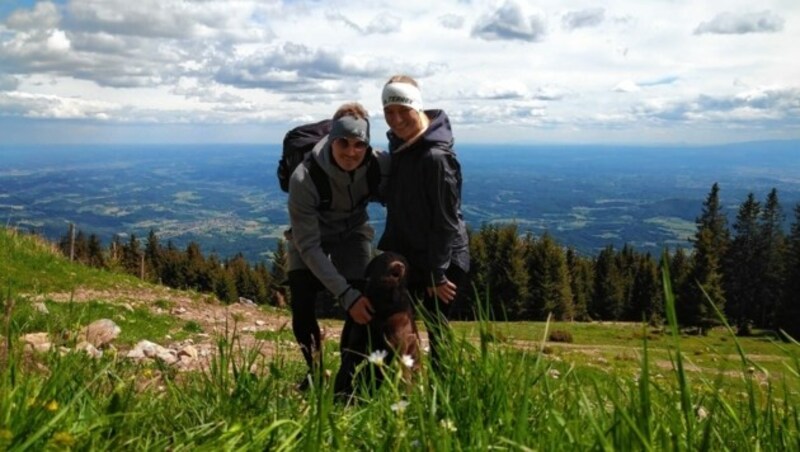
(144, 349)
(246, 301)
(188, 351)
(147, 349)
(39, 342)
(101, 332)
(168, 356)
(90, 349)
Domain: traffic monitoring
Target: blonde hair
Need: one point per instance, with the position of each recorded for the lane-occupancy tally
(353, 109)
(402, 78)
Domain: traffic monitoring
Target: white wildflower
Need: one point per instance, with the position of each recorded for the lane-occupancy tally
(448, 425)
(377, 357)
(407, 361)
(554, 373)
(702, 413)
(399, 406)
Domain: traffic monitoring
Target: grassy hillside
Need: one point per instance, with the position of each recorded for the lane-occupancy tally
(30, 264)
(615, 387)
(33, 271)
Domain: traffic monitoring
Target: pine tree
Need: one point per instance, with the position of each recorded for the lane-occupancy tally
(81, 248)
(95, 252)
(790, 305)
(280, 264)
(773, 246)
(608, 300)
(680, 268)
(627, 264)
(743, 266)
(507, 272)
(646, 300)
(580, 276)
(153, 256)
(549, 281)
(710, 245)
(132, 256)
(244, 278)
(264, 283)
(199, 274)
(280, 274)
(173, 267)
(478, 266)
(223, 282)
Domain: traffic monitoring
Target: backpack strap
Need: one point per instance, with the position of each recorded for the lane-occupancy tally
(321, 182)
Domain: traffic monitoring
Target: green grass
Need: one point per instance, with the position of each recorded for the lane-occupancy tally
(30, 265)
(504, 398)
(616, 387)
(69, 318)
(618, 346)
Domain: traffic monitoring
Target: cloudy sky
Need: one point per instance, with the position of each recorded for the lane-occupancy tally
(212, 71)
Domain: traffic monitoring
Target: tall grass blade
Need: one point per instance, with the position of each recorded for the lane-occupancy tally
(672, 319)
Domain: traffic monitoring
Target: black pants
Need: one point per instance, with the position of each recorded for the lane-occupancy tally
(304, 287)
(358, 341)
(435, 312)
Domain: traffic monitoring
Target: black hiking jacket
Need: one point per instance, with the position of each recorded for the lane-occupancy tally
(423, 204)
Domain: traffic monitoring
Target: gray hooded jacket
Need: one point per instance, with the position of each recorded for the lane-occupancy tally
(316, 233)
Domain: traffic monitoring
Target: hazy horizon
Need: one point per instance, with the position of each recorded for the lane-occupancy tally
(226, 197)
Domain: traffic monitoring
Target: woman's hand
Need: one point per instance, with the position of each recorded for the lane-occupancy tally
(361, 311)
(445, 291)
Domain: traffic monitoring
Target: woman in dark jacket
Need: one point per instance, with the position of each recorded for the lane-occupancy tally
(424, 221)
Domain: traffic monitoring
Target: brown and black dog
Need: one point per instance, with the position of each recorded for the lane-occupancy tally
(391, 301)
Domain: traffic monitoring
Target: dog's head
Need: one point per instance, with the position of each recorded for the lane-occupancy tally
(386, 284)
(387, 272)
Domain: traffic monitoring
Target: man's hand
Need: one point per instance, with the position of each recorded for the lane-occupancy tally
(361, 311)
(445, 291)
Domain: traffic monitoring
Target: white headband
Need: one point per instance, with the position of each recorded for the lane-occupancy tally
(399, 93)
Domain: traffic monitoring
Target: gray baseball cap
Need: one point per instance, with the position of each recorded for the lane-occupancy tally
(350, 127)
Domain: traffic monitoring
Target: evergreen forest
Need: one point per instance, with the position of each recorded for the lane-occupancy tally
(750, 269)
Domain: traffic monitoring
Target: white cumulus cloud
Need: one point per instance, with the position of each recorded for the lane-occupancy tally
(741, 23)
(510, 22)
(591, 17)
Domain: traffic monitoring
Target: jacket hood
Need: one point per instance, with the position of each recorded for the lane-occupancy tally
(439, 132)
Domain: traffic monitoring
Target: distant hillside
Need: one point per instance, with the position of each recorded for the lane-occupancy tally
(226, 198)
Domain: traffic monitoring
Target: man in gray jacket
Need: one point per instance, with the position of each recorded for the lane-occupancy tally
(331, 244)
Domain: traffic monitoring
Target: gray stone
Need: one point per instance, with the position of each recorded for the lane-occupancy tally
(101, 332)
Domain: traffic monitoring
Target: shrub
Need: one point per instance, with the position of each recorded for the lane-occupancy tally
(560, 336)
(192, 327)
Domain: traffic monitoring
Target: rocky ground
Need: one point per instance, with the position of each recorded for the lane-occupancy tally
(214, 319)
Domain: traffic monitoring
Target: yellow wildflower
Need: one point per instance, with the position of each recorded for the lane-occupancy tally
(63, 439)
(51, 406)
(5, 437)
